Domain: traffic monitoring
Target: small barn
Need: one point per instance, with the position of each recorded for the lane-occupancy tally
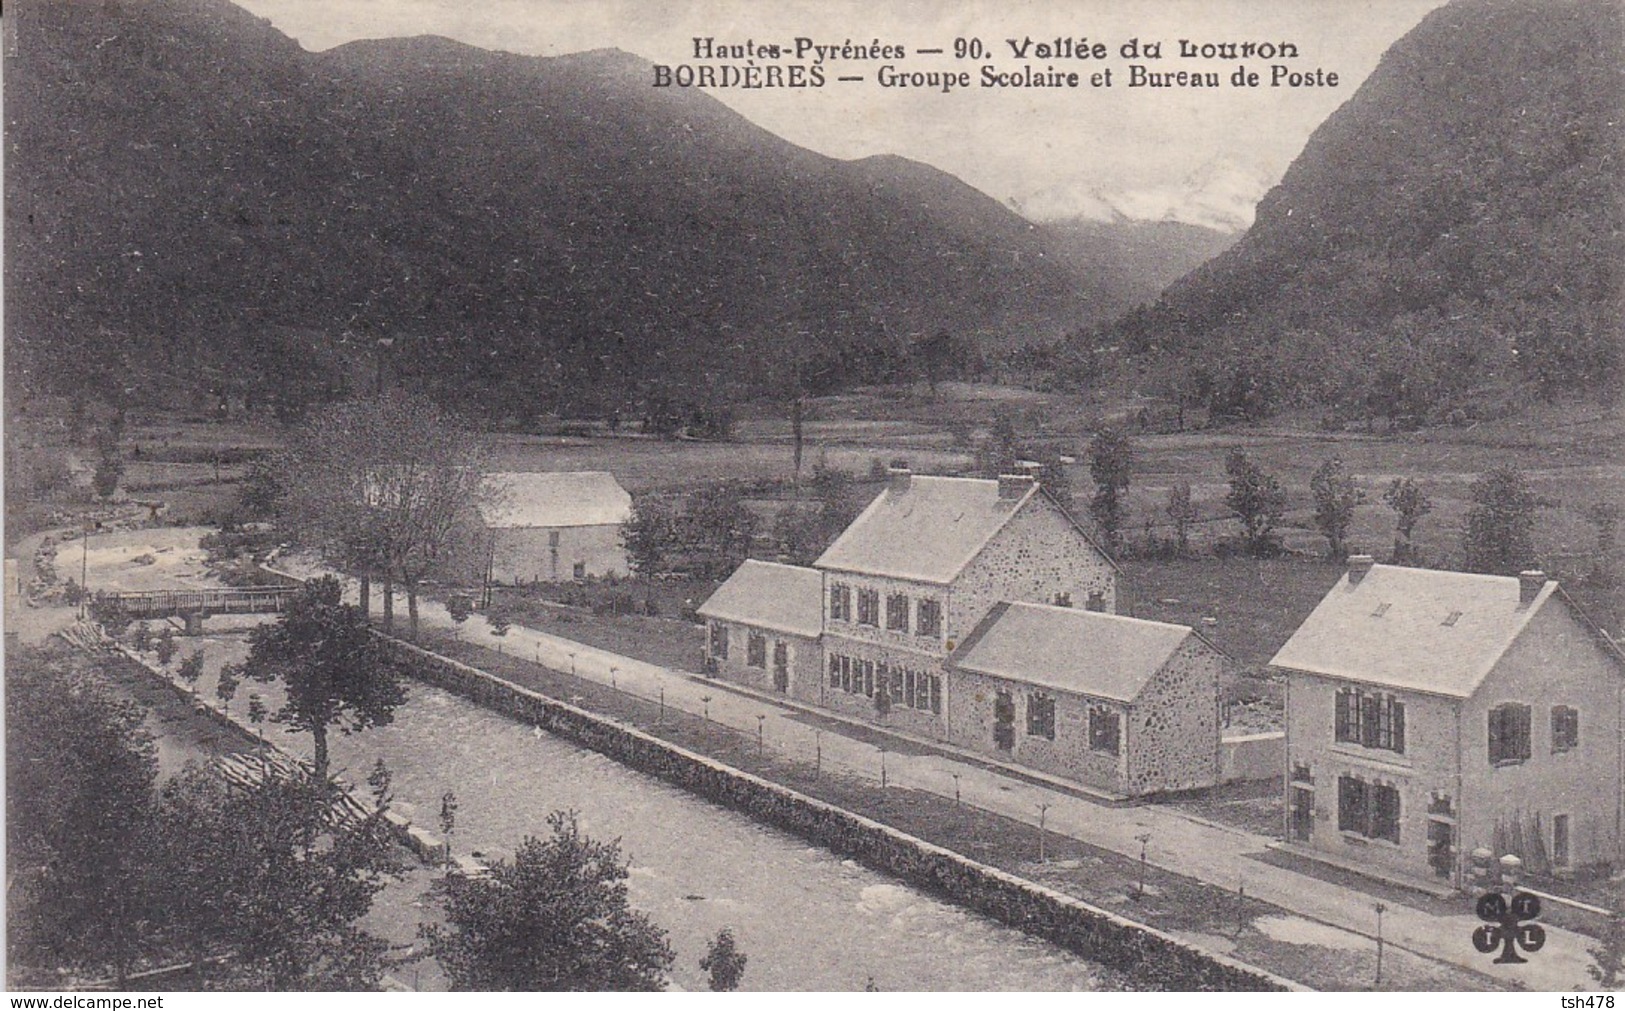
(552, 526)
(763, 626)
(1125, 705)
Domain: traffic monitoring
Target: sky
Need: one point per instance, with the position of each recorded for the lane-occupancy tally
(1050, 148)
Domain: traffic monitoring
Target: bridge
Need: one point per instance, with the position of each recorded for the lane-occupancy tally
(214, 600)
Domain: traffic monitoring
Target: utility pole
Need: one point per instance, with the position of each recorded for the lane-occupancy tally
(1043, 812)
(1380, 910)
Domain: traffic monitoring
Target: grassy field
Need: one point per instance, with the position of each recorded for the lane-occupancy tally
(1573, 455)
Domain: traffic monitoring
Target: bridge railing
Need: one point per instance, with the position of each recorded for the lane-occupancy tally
(214, 600)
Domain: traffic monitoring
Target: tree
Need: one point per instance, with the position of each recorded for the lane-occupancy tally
(649, 536)
(1111, 464)
(459, 608)
(333, 669)
(1256, 499)
(1498, 535)
(165, 646)
(719, 528)
(1336, 495)
(723, 962)
(225, 686)
(80, 769)
(388, 486)
(554, 918)
(1409, 503)
(273, 878)
(191, 670)
(1182, 511)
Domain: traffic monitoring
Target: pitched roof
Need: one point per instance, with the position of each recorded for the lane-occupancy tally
(928, 532)
(587, 498)
(1087, 652)
(785, 598)
(1419, 629)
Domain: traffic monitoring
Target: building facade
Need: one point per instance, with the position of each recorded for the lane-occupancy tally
(762, 629)
(1431, 713)
(551, 527)
(922, 566)
(1124, 705)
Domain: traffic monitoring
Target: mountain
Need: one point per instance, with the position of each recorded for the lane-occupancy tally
(186, 186)
(1454, 227)
(1218, 196)
(1134, 243)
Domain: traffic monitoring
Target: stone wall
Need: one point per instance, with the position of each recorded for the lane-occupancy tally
(1172, 735)
(1252, 757)
(1037, 555)
(1069, 755)
(1152, 959)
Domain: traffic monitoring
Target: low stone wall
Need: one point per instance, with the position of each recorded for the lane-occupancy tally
(1152, 958)
(1253, 756)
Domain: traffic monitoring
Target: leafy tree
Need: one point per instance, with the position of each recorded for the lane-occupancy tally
(719, 528)
(1498, 535)
(1409, 503)
(191, 670)
(165, 647)
(1111, 464)
(554, 918)
(79, 775)
(1336, 496)
(459, 608)
(110, 613)
(333, 669)
(723, 962)
(499, 616)
(225, 686)
(1256, 499)
(1182, 511)
(270, 877)
(261, 492)
(649, 536)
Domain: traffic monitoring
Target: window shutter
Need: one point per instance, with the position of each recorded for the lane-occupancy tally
(1368, 720)
(1497, 734)
(1399, 726)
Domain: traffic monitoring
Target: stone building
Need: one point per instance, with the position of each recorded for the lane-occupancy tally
(547, 527)
(762, 629)
(1124, 705)
(923, 565)
(1431, 713)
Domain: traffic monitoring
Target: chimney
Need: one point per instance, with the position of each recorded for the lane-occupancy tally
(898, 478)
(1530, 582)
(1013, 486)
(1359, 565)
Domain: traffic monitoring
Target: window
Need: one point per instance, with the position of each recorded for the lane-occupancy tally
(868, 607)
(929, 620)
(1368, 809)
(1370, 719)
(719, 640)
(1509, 733)
(580, 571)
(1382, 609)
(834, 671)
(840, 602)
(1451, 619)
(1040, 715)
(756, 650)
(894, 678)
(1104, 729)
(1565, 728)
(553, 539)
(1063, 600)
(1560, 840)
(1302, 774)
(1097, 601)
(897, 612)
